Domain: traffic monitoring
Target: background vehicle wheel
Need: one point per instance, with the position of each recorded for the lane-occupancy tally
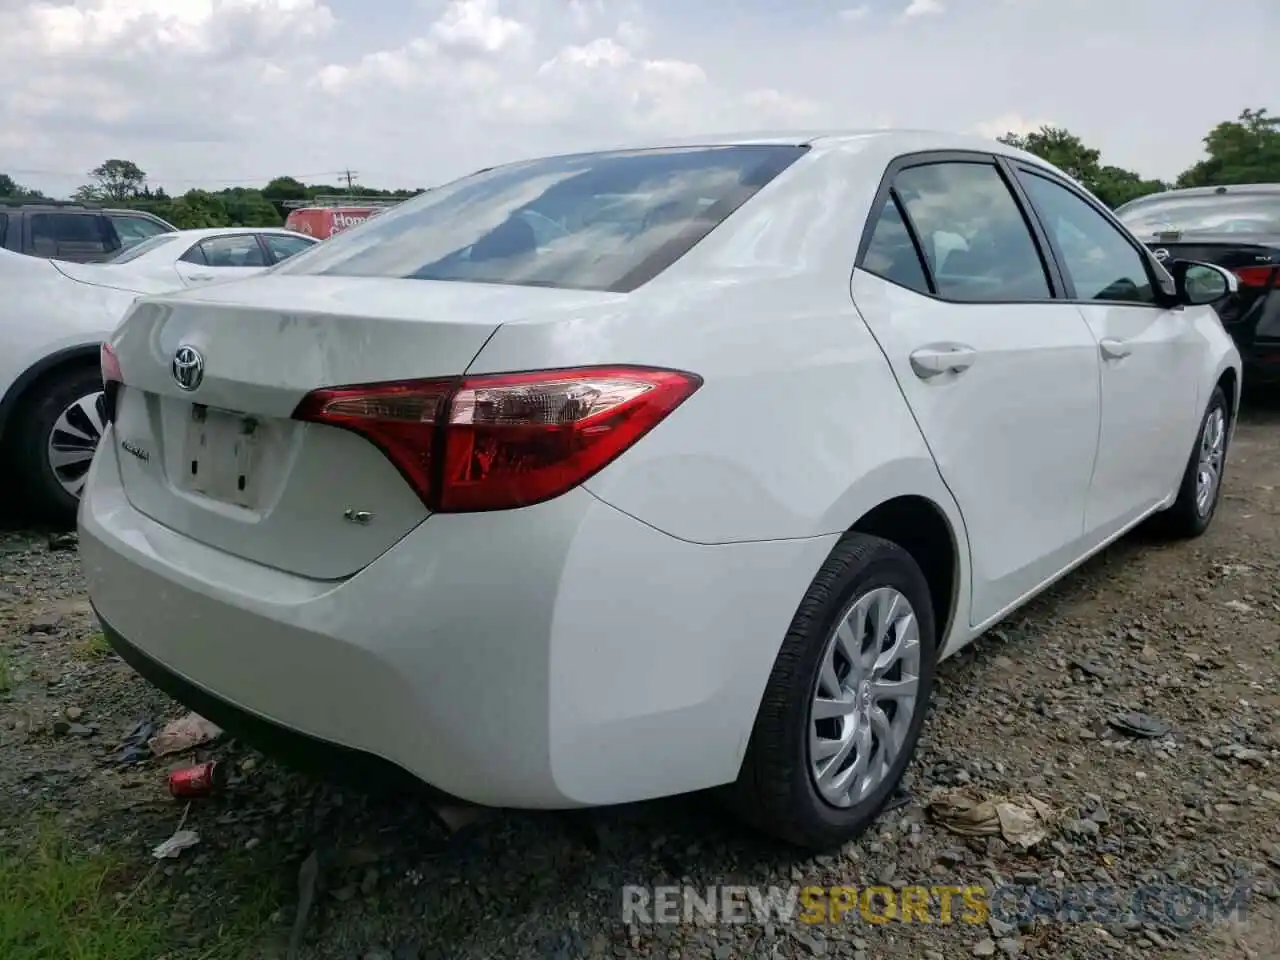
(842, 712)
(55, 436)
(1201, 486)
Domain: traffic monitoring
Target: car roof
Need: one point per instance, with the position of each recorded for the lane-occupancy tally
(202, 233)
(889, 141)
(1265, 189)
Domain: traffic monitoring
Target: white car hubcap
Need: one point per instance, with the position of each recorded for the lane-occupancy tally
(73, 440)
(865, 697)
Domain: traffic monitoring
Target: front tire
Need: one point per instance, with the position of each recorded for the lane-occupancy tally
(842, 711)
(1201, 486)
(55, 436)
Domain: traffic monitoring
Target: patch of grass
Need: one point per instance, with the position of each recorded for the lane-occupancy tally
(6, 677)
(93, 647)
(57, 903)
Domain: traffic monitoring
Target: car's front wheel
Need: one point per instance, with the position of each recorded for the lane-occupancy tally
(56, 434)
(1201, 486)
(842, 711)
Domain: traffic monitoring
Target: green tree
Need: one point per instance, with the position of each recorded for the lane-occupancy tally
(250, 208)
(114, 181)
(1244, 150)
(1115, 186)
(1112, 185)
(12, 189)
(281, 189)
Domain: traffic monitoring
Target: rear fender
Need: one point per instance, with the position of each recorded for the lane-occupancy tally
(77, 355)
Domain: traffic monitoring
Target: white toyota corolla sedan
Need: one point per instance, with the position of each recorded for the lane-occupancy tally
(610, 476)
(190, 258)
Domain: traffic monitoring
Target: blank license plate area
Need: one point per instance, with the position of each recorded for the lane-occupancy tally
(220, 454)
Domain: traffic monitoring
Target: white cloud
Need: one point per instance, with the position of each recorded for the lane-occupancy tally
(1010, 123)
(922, 8)
(477, 25)
(412, 92)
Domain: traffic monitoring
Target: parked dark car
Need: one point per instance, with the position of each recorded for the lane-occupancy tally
(78, 232)
(1236, 227)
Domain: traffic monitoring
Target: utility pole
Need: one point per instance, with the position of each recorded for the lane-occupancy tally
(350, 176)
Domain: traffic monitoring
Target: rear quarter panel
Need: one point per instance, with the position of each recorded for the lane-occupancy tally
(43, 313)
(799, 428)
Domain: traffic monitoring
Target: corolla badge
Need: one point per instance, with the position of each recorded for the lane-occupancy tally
(187, 367)
(1162, 254)
(132, 448)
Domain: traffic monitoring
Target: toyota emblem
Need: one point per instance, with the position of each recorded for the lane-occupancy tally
(187, 368)
(1162, 254)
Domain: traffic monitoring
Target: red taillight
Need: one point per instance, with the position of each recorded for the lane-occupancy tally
(503, 441)
(110, 365)
(1259, 277)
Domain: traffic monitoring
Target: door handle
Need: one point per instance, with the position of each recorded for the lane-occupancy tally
(1113, 349)
(201, 276)
(930, 362)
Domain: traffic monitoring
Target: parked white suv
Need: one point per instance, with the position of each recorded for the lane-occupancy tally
(691, 490)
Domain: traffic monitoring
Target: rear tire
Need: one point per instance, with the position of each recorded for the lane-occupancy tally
(56, 432)
(802, 755)
(1201, 486)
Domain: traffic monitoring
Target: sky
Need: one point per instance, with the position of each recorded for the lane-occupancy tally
(412, 93)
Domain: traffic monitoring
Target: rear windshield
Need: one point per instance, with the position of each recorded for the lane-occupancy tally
(603, 221)
(143, 248)
(1213, 213)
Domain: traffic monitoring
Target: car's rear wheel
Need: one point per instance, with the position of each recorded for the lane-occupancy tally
(1201, 486)
(842, 711)
(55, 438)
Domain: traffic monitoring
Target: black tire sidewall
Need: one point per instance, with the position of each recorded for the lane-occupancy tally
(1185, 506)
(890, 568)
(776, 790)
(36, 420)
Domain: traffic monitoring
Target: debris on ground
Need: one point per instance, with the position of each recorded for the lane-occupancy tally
(197, 781)
(63, 541)
(185, 733)
(1140, 725)
(173, 847)
(308, 876)
(1022, 820)
(135, 747)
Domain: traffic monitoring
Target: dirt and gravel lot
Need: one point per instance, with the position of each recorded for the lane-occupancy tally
(1185, 633)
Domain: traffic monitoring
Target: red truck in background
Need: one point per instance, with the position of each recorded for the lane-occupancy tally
(324, 216)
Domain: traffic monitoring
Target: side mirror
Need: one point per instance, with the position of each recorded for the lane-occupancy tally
(1202, 283)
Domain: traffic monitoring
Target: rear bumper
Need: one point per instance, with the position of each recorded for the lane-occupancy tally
(314, 754)
(556, 656)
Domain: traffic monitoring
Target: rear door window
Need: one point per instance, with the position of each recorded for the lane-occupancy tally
(283, 246)
(603, 221)
(242, 250)
(73, 235)
(892, 254)
(133, 230)
(977, 243)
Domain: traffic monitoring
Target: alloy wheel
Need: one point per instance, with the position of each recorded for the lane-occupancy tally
(1213, 445)
(865, 697)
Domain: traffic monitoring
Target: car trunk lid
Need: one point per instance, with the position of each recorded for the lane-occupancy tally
(219, 458)
(104, 275)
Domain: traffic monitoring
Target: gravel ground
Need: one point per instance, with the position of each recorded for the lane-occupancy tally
(1184, 633)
